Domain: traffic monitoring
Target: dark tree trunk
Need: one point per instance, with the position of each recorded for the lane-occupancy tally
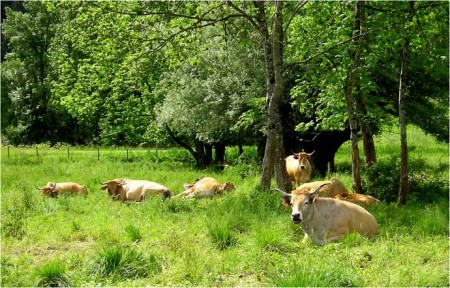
(324, 144)
(403, 190)
(219, 148)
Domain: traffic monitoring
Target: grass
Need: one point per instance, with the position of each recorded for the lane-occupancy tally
(245, 238)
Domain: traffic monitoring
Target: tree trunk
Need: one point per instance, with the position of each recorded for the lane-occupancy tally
(350, 101)
(370, 155)
(219, 148)
(403, 190)
(281, 176)
(274, 151)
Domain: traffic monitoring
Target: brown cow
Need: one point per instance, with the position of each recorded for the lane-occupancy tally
(360, 199)
(54, 189)
(134, 190)
(298, 168)
(205, 188)
(327, 219)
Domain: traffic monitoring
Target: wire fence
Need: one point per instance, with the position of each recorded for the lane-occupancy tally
(94, 153)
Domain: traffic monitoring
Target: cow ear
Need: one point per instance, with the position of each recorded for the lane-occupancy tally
(312, 196)
(286, 200)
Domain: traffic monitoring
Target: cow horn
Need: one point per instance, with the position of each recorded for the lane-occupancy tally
(320, 187)
(311, 153)
(283, 193)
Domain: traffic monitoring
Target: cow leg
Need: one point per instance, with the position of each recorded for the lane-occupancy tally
(305, 238)
(185, 192)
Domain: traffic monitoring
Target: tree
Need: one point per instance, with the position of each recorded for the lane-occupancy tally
(403, 190)
(205, 96)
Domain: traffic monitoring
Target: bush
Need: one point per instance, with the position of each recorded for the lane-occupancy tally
(382, 181)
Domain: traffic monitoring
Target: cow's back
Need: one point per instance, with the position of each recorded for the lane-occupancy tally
(206, 187)
(334, 187)
(334, 218)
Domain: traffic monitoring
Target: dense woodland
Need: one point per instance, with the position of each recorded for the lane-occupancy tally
(284, 76)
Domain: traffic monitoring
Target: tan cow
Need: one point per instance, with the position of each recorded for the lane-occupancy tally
(54, 189)
(134, 190)
(298, 168)
(205, 188)
(334, 187)
(360, 199)
(327, 219)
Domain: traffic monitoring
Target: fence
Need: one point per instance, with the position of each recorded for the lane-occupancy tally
(70, 152)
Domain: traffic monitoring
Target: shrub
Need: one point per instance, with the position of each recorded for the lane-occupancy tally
(52, 275)
(382, 181)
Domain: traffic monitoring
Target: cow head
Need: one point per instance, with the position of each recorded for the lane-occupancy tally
(49, 189)
(301, 201)
(303, 158)
(114, 188)
(228, 186)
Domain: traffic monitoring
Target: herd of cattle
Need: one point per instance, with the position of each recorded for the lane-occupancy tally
(326, 210)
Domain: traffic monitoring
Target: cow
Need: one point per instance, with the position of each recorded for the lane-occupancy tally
(334, 187)
(205, 188)
(359, 199)
(54, 189)
(298, 168)
(328, 219)
(134, 190)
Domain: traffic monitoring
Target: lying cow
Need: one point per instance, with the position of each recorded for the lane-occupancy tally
(54, 189)
(134, 190)
(205, 188)
(327, 219)
(334, 187)
(298, 168)
(360, 199)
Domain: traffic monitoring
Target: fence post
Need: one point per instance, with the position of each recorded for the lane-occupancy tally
(98, 153)
(37, 152)
(127, 154)
(8, 151)
(68, 153)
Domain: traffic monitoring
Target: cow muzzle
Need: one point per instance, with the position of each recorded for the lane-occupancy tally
(296, 217)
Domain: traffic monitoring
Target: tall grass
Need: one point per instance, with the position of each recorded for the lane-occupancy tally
(244, 238)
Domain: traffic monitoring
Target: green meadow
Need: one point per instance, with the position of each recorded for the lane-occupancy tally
(244, 238)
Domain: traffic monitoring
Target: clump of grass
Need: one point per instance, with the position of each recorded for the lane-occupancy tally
(52, 274)
(328, 274)
(221, 234)
(134, 233)
(13, 222)
(124, 263)
(270, 239)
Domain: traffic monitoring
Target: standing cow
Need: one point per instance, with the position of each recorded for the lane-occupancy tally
(205, 188)
(134, 190)
(328, 219)
(298, 168)
(54, 189)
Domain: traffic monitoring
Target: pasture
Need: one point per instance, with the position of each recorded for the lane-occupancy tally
(244, 238)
